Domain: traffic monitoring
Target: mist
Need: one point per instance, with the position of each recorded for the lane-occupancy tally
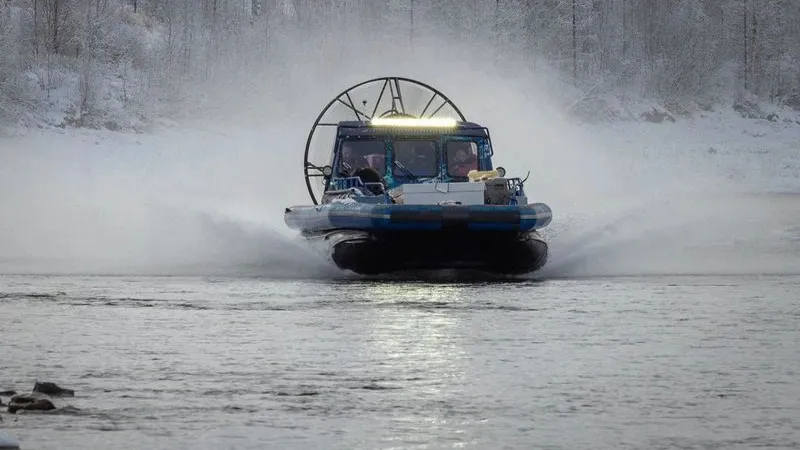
(199, 187)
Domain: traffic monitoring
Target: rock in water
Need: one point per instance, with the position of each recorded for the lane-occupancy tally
(52, 389)
(7, 442)
(34, 401)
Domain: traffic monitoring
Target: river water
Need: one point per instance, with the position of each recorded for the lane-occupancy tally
(667, 317)
(246, 362)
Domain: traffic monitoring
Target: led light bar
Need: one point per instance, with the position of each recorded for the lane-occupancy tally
(441, 122)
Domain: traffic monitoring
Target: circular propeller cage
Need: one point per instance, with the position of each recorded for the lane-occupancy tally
(378, 97)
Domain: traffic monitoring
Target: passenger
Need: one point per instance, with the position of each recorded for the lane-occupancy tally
(463, 160)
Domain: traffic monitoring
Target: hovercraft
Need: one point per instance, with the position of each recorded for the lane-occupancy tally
(409, 184)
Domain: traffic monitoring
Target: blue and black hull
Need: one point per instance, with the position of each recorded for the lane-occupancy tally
(379, 238)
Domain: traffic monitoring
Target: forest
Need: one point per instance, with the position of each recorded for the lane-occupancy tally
(115, 62)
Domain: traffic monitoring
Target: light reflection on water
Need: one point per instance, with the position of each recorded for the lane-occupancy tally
(422, 342)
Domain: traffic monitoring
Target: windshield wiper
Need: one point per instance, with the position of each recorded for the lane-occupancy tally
(407, 172)
(348, 169)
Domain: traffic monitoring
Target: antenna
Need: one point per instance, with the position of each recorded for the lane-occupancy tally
(411, 26)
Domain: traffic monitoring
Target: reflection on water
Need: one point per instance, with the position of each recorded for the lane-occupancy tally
(417, 340)
(421, 294)
(408, 328)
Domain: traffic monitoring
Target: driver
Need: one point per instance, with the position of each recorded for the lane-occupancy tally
(350, 159)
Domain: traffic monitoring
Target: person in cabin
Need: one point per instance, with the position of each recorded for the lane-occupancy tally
(362, 153)
(351, 159)
(461, 158)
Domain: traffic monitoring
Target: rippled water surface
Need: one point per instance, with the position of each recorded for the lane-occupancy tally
(168, 362)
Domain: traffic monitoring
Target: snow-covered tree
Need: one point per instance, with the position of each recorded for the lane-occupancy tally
(168, 51)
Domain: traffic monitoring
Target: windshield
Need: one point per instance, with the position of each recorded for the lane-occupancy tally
(462, 156)
(418, 156)
(357, 153)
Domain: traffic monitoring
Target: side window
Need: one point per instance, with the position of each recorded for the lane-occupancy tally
(357, 153)
(462, 156)
(418, 156)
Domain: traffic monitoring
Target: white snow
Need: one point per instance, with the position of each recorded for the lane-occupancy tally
(757, 155)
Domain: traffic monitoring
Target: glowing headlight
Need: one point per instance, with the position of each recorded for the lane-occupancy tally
(442, 122)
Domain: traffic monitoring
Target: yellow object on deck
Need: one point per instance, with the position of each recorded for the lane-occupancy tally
(482, 175)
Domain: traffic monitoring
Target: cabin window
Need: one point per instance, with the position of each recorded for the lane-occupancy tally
(418, 156)
(357, 153)
(462, 156)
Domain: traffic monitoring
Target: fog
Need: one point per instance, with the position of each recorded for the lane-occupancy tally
(204, 193)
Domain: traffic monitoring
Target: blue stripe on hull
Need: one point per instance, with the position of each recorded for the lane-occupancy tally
(371, 217)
